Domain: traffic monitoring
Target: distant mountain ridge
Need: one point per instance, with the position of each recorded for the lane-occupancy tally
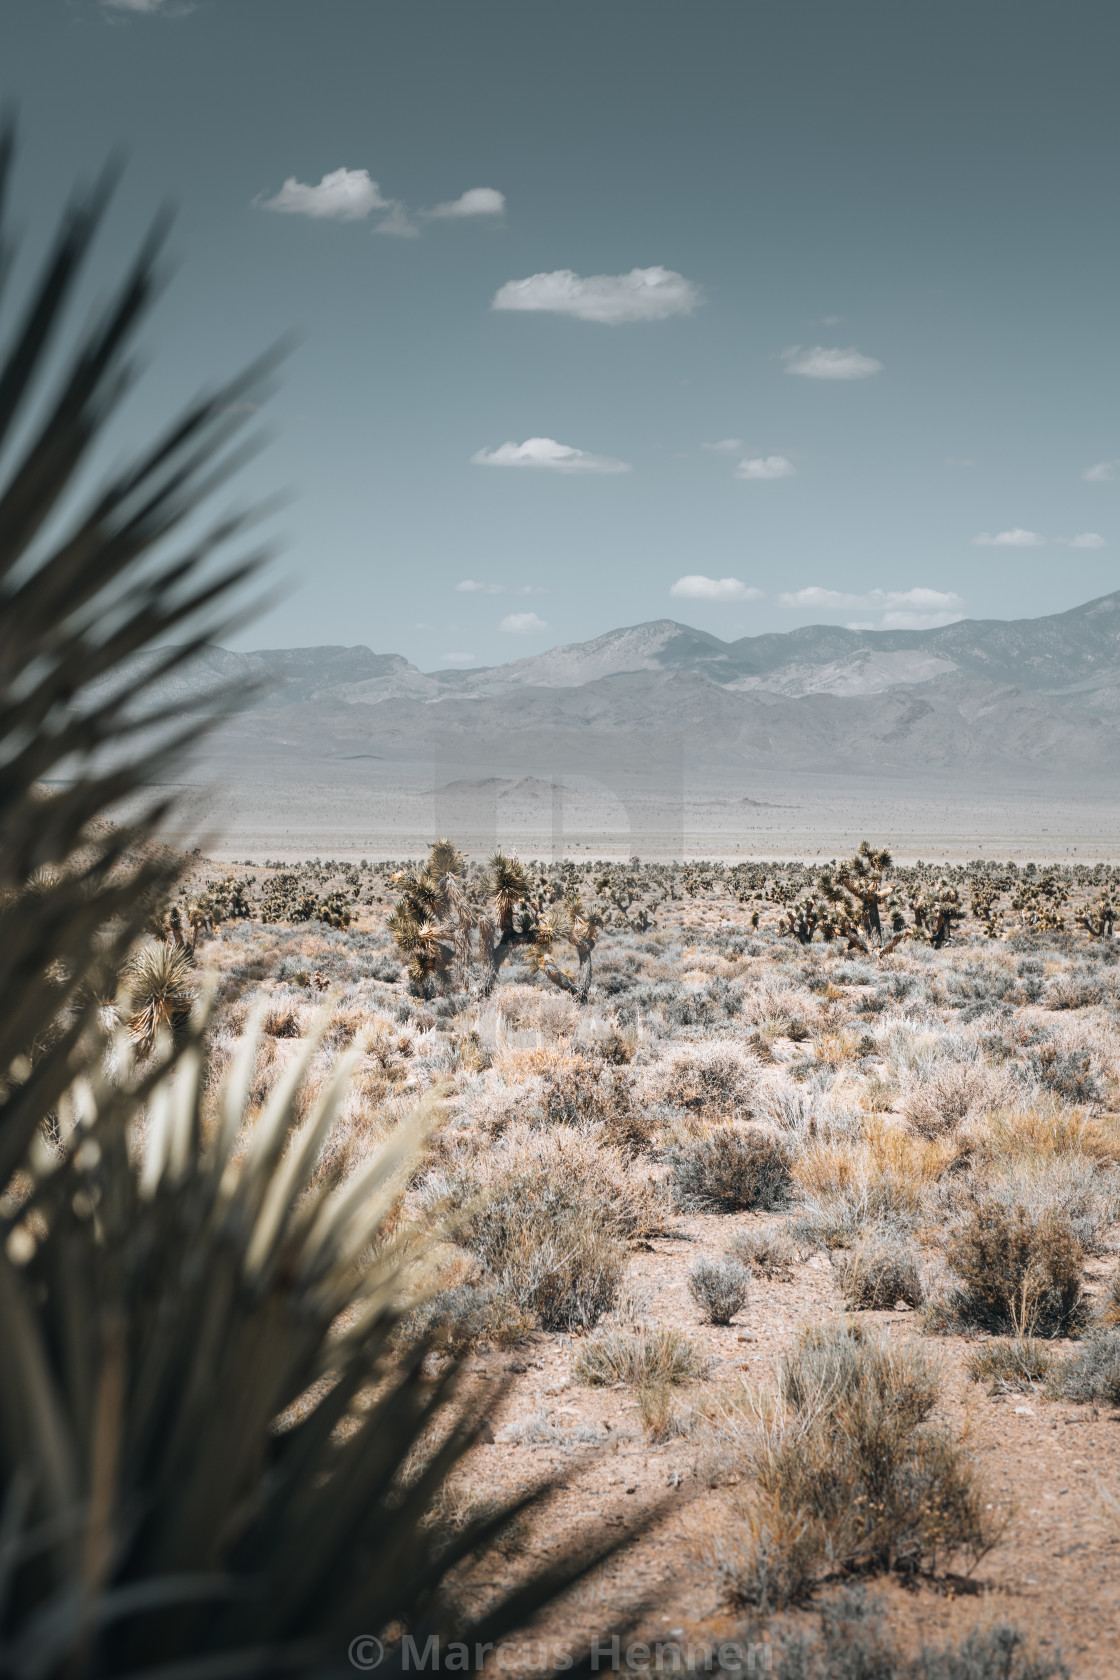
(1075, 654)
(981, 699)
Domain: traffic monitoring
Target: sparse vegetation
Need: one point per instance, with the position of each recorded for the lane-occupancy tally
(642, 1354)
(720, 1288)
(731, 1169)
(1093, 1373)
(847, 1472)
(1020, 1273)
(880, 1271)
(934, 1121)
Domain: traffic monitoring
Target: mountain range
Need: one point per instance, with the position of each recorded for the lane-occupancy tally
(980, 695)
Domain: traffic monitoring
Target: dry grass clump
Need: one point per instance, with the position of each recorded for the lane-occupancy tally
(849, 1474)
(1045, 1128)
(950, 1094)
(1093, 1374)
(716, 1077)
(1020, 1272)
(879, 1271)
(771, 1253)
(720, 1288)
(1007, 1367)
(640, 1354)
(550, 1214)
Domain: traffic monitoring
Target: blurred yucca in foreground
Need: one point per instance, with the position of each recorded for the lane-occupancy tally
(211, 1461)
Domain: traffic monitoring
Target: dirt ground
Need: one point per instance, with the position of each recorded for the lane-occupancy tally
(1052, 1468)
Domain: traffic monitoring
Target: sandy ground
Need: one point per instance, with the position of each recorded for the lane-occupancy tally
(1051, 1467)
(351, 814)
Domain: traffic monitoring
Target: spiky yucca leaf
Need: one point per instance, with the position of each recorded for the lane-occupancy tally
(80, 731)
(204, 1443)
(184, 1409)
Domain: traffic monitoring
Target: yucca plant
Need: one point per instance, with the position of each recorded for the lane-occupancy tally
(219, 1453)
(159, 990)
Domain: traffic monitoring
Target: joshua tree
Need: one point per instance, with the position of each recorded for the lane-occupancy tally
(1098, 917)
(580, 926)
(807, 916)
(859, 889)
(1039, 899)
(860, 897)
(447, 941)
(157, 982)
(937, 910)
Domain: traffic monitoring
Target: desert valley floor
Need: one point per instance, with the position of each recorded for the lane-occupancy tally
(835, 1134)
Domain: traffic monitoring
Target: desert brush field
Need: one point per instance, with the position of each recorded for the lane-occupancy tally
(771, 1220)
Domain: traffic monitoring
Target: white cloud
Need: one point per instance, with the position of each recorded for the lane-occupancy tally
(547, 453)
(765, 466)
(1086, 539)
(726, 446)
(819, 363)
(902, 609)
(168, 6)
(1018, 538)
(522, 624)
(1103, 473)
(398, 224)
(699, 588)
(457, 658)
(470, 587)
(645, 294)
(476, 201)
(344, 195)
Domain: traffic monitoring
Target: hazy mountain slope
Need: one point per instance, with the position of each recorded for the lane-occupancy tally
(950, 723)
(1076, 653)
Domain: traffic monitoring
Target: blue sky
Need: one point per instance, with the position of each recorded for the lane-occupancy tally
(869, 250)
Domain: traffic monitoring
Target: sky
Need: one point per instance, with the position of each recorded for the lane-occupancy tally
(745, 313)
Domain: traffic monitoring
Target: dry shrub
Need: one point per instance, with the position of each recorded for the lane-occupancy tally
(1007, 1367)
(771, 1253)
(1020, 1271)
(550, 1013)
(283, 1019)
(729, 1170)
(882, 1180)
(1092, 1374)
(582, 1092)
(951, 1094)
(1110, 1309)
(715, 1077)
(879, 1271)
(849, 1474)
(468, 1313)
(720, 1288)
(552, 1213)
(643, 1355)
(854, 1643)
